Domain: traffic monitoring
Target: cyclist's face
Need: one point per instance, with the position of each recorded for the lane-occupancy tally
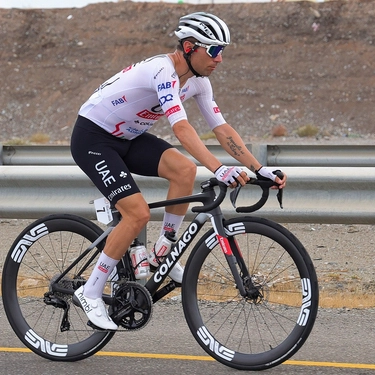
(203, 63)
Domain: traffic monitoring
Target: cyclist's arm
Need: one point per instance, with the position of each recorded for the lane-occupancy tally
(233, 144)
(191, 142)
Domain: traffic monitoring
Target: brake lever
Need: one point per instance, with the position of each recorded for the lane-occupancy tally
(279, 197)
(234, 194)
(279, 194)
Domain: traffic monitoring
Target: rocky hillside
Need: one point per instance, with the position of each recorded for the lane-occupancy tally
(291, 64)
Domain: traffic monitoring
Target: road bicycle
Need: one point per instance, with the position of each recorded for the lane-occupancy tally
(249, 291)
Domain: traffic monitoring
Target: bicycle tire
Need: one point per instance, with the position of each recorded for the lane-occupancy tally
(40, 253)
(243, 333)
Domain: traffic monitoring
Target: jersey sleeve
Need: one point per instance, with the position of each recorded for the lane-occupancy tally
(206, 103)
(167, 86)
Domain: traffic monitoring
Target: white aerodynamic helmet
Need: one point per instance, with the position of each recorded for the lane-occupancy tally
(204, 27)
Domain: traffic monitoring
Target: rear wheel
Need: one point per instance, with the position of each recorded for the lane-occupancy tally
(47, 322)
(273, 321)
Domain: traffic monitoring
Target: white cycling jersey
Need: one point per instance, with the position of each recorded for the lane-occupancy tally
(130, 102)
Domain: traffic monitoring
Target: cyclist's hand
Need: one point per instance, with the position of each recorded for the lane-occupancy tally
(271, 174)
(231, 175)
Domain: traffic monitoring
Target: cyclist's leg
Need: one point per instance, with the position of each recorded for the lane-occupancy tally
(135, 215)
(180, 172)
(156, 157)
(169, 163)
(101, 156)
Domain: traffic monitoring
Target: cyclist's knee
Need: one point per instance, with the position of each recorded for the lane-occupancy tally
(145, 217)
(187, 171)
(140, 216)
(175, 166)
(134, 210)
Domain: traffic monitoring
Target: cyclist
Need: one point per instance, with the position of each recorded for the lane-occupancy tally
(110, 142)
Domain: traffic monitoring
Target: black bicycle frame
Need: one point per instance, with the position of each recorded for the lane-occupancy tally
(187, 238)
(207, 197)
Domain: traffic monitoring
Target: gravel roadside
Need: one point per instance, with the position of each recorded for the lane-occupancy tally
(342, 254)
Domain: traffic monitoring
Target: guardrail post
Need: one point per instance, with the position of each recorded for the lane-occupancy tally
(260, 152)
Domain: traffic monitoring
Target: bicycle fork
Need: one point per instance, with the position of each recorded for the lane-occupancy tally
(232, 262)
(234, 259)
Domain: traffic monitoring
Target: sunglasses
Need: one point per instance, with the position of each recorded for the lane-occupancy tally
(212, 50)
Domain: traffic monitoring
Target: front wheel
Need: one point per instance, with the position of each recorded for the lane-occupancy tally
(272, 322)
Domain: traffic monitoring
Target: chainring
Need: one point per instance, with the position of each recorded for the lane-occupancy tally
(132, 307)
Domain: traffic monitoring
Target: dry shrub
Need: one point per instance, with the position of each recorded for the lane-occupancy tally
(279, 131)
(15, 142)
(39, 138)
(307, 131)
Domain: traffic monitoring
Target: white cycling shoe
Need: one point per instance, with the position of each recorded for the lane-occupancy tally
(95, 310)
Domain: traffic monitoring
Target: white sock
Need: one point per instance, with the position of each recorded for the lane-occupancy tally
(171, 222)
(95, 284)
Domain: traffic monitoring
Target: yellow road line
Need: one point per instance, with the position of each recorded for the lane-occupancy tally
(362, 366)
(15, 350)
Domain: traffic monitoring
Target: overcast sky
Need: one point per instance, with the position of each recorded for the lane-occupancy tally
(29, 4)
(81, 3)
(48, 3)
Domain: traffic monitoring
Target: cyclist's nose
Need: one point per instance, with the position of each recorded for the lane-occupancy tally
(218, 58)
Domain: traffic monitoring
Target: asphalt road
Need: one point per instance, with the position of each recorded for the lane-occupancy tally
(342, 342)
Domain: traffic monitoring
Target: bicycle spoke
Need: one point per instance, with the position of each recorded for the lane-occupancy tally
(265, 326)
(45, 320)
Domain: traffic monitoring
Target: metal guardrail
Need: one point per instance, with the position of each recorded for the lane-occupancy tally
(60, 155)
(313, 194)
(321, 155)
(272, 155)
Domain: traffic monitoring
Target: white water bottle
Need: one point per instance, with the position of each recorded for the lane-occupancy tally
(138, 256)
(161, 248)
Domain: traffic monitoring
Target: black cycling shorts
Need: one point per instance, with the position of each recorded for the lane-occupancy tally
(109, 161)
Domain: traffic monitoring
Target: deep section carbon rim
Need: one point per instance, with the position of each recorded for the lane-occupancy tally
(261, 331)
(49, 323)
